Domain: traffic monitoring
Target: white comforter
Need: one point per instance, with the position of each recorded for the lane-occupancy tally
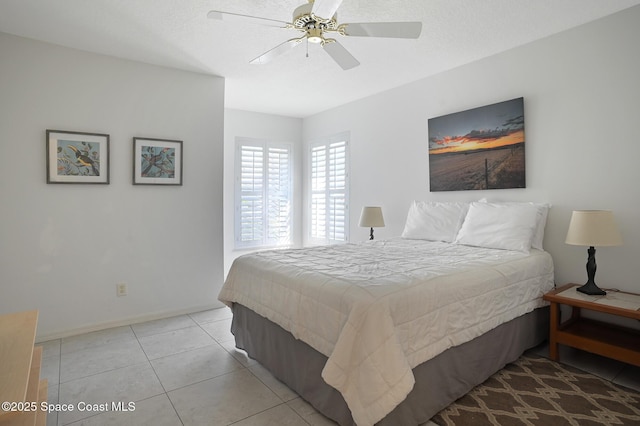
(378, 309)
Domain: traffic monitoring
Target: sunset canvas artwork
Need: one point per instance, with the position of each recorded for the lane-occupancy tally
(480, 148)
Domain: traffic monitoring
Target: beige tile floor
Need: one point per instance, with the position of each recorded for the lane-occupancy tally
(185, 370)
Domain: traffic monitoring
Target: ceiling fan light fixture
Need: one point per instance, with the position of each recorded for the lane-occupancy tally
(314, 35)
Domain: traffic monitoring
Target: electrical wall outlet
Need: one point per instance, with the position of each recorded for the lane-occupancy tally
(121, 289)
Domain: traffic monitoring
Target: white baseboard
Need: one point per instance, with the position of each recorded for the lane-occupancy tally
(124, 321)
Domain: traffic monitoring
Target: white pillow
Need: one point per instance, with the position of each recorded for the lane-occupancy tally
(499, 225)
(434, 221)
(541, 220)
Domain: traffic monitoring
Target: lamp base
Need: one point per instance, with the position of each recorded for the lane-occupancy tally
(592, 289)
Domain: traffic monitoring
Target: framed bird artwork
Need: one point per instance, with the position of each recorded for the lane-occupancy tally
(77, 157)
(157, 161)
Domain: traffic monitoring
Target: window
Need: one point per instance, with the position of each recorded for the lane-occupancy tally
(329, 197)
(263, 193)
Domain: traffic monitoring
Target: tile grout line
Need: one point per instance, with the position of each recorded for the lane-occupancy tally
(166, 394)
(267, 409)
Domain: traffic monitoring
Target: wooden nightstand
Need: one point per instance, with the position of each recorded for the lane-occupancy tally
(604, 339)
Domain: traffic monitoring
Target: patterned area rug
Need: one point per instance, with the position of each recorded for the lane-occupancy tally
(537, 391)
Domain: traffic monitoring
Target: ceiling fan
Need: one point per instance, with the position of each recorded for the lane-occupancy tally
(316, 20)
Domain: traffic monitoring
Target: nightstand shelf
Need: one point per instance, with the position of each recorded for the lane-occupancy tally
(612, 341)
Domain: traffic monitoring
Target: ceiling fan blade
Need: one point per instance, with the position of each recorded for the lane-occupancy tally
(276, 51)
(384, 29)
(235, 17)
(341, 55)
(325, 8)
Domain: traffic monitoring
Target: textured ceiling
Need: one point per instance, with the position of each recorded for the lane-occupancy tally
(177, 33)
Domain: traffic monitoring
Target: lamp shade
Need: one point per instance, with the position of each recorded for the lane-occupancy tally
(593, 228)
(371, 217)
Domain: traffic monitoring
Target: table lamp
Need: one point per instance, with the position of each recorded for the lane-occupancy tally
(592, 228)
(371, 217)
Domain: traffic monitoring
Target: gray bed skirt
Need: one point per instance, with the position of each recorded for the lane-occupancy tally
(439, 381)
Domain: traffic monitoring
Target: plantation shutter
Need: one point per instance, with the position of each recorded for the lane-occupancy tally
(279, 196)
(251, 216)
(329, 184)
(337, 192)
(318, 192)
(263, 194)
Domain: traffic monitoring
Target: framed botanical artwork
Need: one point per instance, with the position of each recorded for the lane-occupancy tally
(480, 148)
(157, 162)
(77, 157)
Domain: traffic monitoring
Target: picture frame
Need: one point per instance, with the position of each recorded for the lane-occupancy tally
(77, 157)
(478, 149)
(157, 161)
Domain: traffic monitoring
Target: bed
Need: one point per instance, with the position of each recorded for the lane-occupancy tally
(390, 332)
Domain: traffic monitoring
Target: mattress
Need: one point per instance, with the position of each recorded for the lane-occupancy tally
(378, 309)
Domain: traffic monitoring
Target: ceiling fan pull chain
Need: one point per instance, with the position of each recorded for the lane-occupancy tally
(307, 47)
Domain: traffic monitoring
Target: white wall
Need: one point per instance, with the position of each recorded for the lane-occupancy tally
(260, 126)
(63, 248)
(582, 106)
